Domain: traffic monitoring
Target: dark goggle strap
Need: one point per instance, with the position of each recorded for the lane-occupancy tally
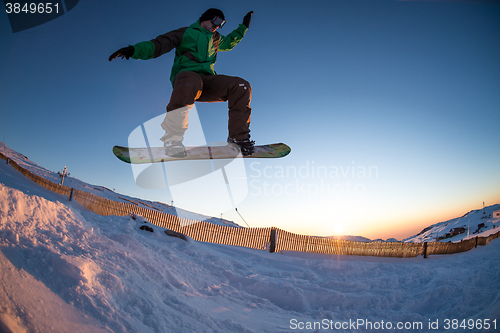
(218, 21)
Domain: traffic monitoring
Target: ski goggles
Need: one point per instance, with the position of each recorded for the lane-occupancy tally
(218, 21)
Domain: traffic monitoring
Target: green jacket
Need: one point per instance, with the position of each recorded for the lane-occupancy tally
(196, 48)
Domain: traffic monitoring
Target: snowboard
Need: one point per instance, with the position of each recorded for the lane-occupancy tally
(157, 154)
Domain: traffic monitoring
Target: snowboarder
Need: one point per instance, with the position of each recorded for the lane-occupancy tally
(194, 79)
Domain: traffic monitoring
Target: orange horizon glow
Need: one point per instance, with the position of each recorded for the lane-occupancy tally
(395, 227)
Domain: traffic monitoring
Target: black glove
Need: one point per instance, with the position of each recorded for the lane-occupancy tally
(125, 52)
(247, 18)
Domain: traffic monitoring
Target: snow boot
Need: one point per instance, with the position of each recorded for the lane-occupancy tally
(175, 149)
(246, 147)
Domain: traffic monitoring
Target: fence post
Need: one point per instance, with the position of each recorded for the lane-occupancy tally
(272, 241)
(8, 160)
(425, 249)
(72, 194)
(476, 241)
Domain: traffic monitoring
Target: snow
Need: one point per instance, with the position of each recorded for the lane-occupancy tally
(66, 269)
(107, 193)
(474, 223)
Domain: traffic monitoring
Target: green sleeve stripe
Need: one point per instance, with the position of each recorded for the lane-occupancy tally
(230, 41)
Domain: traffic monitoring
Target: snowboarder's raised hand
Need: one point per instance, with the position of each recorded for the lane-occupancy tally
(247, 19)
(125, 52)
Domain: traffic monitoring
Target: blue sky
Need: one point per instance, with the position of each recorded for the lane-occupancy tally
(408, 90)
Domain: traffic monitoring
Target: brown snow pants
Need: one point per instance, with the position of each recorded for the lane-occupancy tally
(190, 87)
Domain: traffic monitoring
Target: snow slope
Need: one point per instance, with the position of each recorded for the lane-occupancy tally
(474, 223)
(65, 269)
(104, 192)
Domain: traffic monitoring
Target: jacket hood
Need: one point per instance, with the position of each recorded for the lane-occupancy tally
(197, 25)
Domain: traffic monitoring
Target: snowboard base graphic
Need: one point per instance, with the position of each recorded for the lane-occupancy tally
(157, 154)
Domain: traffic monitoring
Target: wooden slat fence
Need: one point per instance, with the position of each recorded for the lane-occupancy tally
(288, 241)
(486, 240)
(256, 238)
(449, 248)
(272, 239)
(64, 190)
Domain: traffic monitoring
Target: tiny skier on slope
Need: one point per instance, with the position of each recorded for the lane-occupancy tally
(194, 79)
